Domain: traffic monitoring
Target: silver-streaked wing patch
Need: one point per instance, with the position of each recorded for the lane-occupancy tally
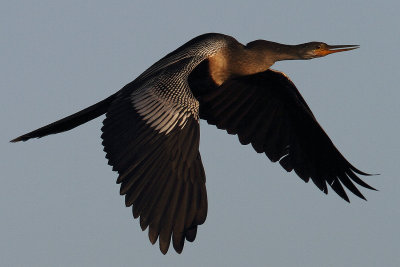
(163, 112)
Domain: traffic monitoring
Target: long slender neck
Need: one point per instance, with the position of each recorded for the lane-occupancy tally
(278, 52)
(257, 56)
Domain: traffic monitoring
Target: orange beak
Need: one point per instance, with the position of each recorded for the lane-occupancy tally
(329, 49)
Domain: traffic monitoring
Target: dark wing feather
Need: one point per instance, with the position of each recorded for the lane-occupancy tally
(267, 111)
(161, 175)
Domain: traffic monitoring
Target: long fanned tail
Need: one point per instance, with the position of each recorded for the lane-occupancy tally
(71, 121)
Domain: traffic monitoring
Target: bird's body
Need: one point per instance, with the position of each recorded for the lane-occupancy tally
(151, 131)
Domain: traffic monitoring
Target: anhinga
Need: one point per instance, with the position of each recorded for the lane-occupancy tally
(151, 131)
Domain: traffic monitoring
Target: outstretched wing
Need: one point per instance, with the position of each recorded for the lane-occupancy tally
(154, 146)
(267, 111)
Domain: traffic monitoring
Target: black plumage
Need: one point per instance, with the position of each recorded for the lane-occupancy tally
(151, 131)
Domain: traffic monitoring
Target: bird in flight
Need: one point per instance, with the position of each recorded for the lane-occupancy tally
(151, 130)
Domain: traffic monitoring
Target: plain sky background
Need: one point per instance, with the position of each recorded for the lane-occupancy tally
(59, 203)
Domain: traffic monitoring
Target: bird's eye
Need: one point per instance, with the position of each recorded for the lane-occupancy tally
(318, 46)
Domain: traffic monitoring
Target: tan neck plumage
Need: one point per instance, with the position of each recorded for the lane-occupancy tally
(228, 63)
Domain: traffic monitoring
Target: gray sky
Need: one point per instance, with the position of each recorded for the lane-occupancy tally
(59, 203)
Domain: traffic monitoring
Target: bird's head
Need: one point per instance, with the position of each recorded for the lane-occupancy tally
(319, 49)
(262, 54)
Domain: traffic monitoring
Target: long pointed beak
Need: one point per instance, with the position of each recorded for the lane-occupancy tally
(329, 49)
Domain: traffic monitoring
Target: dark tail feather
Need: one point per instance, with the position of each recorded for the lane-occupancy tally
(69, 122)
